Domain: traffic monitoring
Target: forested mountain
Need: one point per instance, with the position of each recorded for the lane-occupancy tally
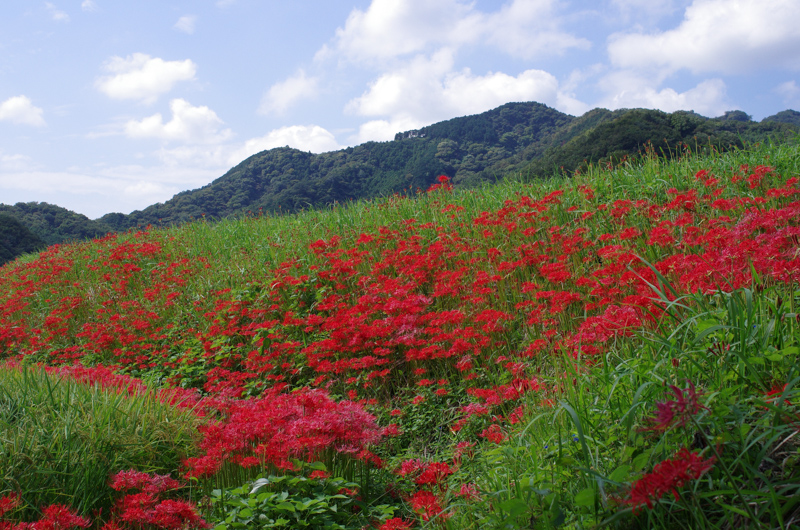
(54, 224)
(628, 133)
(528, 139)
(16, 239)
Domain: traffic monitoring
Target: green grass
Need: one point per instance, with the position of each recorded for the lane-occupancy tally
(60, 441)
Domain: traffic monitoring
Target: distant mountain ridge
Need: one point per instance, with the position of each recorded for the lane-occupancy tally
(530, 139)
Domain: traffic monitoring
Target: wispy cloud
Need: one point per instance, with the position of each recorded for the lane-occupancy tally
(55, 13)
(284, 94)
(186, 24)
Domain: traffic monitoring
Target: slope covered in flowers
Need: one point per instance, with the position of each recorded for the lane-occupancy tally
(400, 335)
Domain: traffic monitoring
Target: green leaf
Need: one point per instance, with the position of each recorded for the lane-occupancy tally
(790, 350)
(620, 474)
(285, 506)
(514, 507)
(585, 497)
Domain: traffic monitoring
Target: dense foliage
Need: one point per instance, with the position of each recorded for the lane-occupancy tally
(16, 239)
(49, 225)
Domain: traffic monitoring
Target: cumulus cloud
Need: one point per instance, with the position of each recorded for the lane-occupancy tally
(142, 77)
(718, 36)
(20, 109)
(304, 137)
(790, 92)
(629, 90)
(428, 90)
(186, 24)
(88, 5)
(55, 13)
(189, 124)
(389, 29)
(281, 96)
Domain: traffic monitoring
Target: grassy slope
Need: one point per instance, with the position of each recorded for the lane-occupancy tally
(177, 305)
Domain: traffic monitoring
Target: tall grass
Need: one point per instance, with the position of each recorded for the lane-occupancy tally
(60, 440)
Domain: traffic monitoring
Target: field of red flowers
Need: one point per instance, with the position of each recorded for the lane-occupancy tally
(410, 345)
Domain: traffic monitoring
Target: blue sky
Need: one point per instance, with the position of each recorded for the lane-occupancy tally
(110, 106)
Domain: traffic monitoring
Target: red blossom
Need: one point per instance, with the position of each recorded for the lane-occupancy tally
(677, 412)
(667, 476)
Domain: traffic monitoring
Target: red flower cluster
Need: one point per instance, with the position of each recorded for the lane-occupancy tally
(148, 507)
(668, 476)
(278, 427)
(54, 517)
(677, 412)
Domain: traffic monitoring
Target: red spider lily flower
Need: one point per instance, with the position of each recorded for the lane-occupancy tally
(9, 502)
(469, 491)
(426, 504)
(176, 515)
(493, 433)
(434, 473)
(409, 467)
(152, 484)
(463, 448)
(667, 476)
(678, 412)
(60, 517)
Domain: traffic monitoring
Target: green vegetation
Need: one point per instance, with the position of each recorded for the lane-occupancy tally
(529, 138)
(16, 239)
(617, 349)
(54, 224)
(61, 440)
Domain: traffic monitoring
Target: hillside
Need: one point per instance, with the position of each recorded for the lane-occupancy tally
(530, 139)
(16, 239)
(627, 134)
(614, 349)
(54, 224)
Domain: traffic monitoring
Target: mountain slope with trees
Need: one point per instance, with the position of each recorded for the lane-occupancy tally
(528, 139)
(16, 239)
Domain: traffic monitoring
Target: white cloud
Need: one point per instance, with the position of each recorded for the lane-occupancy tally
(186, 24)
(142, 77)
(790, 92)
(20, 109)
(390, 29)
(304, 137)
(15, 162)
(189, 124)
(286, 93)
(427, 90)
(528, 29)
(55, 13)
(628, 90)
(88, 5)
(718, 36)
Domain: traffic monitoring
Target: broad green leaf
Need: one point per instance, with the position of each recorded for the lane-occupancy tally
(585, 497)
